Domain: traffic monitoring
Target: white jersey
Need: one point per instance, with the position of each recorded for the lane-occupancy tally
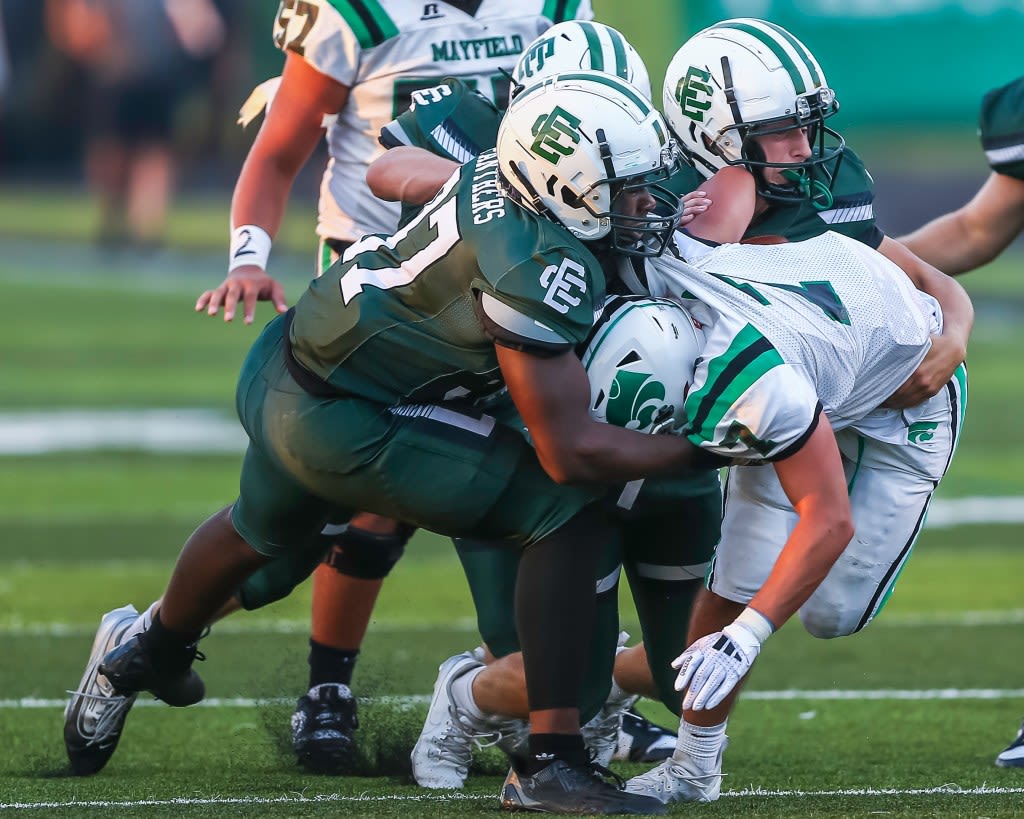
(826, 320)
(384, 51)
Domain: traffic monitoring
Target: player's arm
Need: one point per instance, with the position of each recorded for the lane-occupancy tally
(814, 482)
(977, 232)
(734, 190)
(290, 131)
(552, 395)
(949, 349)
(409, 174)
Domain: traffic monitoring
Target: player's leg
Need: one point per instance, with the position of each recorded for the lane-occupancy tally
(480, 697)
(754, 527)
(671, 537)
(359, 555)
(892, 477)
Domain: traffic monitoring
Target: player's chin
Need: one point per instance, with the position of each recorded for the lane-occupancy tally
(770, 239)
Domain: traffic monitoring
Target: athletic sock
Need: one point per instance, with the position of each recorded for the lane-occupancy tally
(546, 748)
(462, 696)
(330, 665)
(700, 744)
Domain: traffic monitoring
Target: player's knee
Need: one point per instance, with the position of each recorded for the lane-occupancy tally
(367, 555)
(829, 621)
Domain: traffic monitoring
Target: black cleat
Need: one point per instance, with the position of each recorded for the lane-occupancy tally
(580, 790)
(130, 669)
(1013, 755)
(322, 727)
(640, 740)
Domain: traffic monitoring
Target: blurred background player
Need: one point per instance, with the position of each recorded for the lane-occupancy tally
(974, 234)
(138, 60)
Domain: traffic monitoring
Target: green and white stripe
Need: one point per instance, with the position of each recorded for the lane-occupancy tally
(803, 69)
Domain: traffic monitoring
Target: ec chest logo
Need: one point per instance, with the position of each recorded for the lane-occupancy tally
(560, 282)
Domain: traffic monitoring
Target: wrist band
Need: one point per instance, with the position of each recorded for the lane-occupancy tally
(759, 625)
(250, 244)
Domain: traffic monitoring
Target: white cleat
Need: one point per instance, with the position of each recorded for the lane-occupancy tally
(679, 781)
(94, 716)
(601, 734)
(444, 750)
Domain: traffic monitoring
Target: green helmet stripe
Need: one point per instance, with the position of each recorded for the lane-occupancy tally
(594, 46)
(619, 48)
(800, 49)
(775, 48)
(613, 82)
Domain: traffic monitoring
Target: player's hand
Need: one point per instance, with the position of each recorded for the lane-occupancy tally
(694, 204)
(712, 666)
(248, 284)
(931, 375)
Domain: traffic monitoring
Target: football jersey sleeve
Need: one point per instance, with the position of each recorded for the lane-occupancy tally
(746, 403)
(1001, 127)
(450, 120)
(545, 302)
(318, 32)
(851, 212)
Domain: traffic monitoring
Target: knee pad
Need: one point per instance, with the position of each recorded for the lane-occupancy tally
(366, 555)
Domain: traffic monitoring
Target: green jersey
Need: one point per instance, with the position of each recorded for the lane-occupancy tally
(851, 212)
(414, 317)
(1001, 128)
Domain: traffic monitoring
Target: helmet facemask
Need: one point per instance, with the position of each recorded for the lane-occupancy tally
(809, 179)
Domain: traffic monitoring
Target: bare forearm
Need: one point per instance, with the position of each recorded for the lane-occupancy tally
(945, 243)
(805, 560)
(261, 194)
(602, 453)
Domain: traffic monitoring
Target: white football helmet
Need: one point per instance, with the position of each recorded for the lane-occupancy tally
(569, 146)
(579, 45)
(640, 358)
(742, 78)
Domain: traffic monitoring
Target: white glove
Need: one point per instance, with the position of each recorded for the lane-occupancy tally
(714, 664)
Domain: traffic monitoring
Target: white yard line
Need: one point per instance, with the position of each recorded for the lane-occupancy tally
(32, 703)
(455, 796)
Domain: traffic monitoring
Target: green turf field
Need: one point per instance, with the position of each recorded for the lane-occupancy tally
(901, 721)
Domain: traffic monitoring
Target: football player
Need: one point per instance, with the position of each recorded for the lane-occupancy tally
(788, 298)
(981, 229)
(813, 190)
(350, 67)
(489, 289)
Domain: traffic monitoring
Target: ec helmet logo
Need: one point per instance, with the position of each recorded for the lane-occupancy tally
(694, 92)
(533, 60)
(548, 131)
(633, 399)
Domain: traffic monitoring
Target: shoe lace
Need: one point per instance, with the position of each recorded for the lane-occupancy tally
(597, 769)
(457, 745)
(110, 710)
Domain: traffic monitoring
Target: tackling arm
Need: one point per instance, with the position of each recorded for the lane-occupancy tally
(408, 174)
(949, 349)
(964, 239)
(552, 395)
(290, 132)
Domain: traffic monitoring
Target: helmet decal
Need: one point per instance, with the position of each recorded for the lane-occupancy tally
(548, 131)
(693, 93)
